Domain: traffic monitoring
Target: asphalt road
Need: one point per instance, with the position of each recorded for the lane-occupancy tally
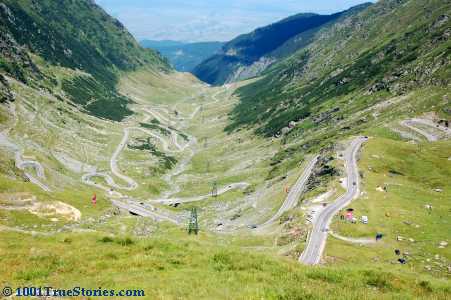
(410, 124)
(430, 135)
(318, 236)
(141, 209)
(294, 193)
(24, 164)
(222, 190)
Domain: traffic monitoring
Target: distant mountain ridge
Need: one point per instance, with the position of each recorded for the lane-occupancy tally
(389, 49)
(249, 54)
(184, 56)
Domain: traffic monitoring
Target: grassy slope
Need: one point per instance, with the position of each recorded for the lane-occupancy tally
(76, 35)
(411, 173)
(214, 266)
(194, 268)
(249, 48)
(388, 48)
(210, 266)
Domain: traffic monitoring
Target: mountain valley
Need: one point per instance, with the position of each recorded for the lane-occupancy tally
(108, 154)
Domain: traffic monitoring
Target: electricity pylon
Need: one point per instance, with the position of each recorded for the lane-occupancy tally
(214, 190)
(193, 226)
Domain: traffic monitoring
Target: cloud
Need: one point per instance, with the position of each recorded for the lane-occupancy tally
(207, 20)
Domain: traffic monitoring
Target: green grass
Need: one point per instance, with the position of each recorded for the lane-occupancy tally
(162, 130)
(191, 267)
(166, 162)
(411, 174)
(97, 99)
(307, 83)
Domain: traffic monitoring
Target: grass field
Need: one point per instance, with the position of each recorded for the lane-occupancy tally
(116, 250)
(414, 175)
(172, 265)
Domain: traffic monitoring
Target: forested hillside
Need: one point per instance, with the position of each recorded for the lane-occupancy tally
(249, 54)
(77, 35)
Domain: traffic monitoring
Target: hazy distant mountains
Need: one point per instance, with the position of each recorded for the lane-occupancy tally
(184, 56)
(250, 54)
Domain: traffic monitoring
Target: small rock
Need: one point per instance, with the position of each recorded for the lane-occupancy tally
(443, 244)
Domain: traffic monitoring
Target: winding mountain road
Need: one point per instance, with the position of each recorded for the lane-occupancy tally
(409, 124)
(140, 208)
(24, 164)
(318, 236)
(144, 210)
(294, 193)
(429, 135)
(238, 185)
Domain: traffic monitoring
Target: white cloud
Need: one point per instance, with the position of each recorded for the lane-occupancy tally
(206, 20)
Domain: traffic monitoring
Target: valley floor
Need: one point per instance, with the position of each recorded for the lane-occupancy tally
(256, 216)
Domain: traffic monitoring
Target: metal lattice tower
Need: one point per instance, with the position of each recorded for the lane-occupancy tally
(193, 226)
(214, 190)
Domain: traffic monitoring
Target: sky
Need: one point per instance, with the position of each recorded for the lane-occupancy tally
(209, 20)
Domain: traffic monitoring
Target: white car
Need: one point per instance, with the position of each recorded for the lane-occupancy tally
(364, 219)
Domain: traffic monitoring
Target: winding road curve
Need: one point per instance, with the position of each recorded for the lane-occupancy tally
(409, 124)
(140, 208)
(318, 236)
(295, 192)
(24, 164)
(431, 137)
(131, 184)
(238, 185)
(144, 210)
